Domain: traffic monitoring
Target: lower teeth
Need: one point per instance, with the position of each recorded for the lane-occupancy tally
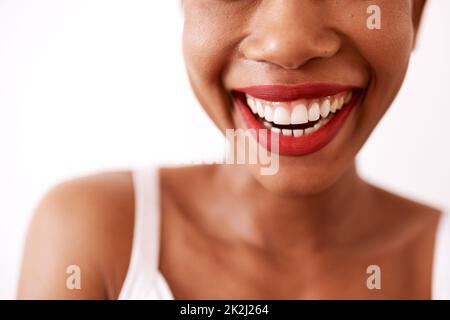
(297, 132)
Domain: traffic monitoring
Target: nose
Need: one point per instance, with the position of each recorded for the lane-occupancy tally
(289, 33)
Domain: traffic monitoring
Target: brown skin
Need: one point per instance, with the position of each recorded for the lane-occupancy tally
(311, 230)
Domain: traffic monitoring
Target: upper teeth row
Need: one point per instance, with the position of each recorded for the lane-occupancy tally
(300, 111)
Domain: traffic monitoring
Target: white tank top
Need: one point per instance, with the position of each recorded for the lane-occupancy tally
(144, 280)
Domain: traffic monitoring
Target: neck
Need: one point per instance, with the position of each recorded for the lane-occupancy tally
(332, 217)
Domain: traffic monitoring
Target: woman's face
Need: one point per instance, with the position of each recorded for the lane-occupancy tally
(313, 72)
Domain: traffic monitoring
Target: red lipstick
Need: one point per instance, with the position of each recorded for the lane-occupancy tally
(282, 93)
(290, 145)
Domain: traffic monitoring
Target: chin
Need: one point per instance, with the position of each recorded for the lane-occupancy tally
(298, 181)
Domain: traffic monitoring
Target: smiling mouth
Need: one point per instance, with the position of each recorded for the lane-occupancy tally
(305, 118)
(297, 118)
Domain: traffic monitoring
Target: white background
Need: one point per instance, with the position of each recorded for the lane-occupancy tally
(88, 85)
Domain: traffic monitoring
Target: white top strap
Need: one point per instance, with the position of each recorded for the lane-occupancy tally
(441, 265)
(143, 271)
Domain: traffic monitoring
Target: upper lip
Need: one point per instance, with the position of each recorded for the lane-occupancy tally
(283, 93)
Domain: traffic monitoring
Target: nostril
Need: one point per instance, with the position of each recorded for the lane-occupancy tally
(290, 46)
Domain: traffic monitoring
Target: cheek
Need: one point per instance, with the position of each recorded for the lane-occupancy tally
(386, 54)
(388, 49)
(206, 44)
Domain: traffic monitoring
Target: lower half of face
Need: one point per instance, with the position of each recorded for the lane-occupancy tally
(315, 77)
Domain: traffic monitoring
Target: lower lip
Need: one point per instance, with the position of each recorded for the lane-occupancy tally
(301, 146)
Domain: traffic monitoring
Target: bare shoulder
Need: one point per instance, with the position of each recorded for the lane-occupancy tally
(81, 228)
(396, 201)
(407, 218)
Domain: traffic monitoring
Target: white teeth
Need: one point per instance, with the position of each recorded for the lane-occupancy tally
(251, 103)
(298, 133)
(281, 116)
(299, 114)
(309, 130)
(348, 97)
(341, 103)
(334, 105)
(317, 126)
(314, 112)
(268, 113)
(267, 125)
(260, 109)
(325, 108)
(275, 130)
